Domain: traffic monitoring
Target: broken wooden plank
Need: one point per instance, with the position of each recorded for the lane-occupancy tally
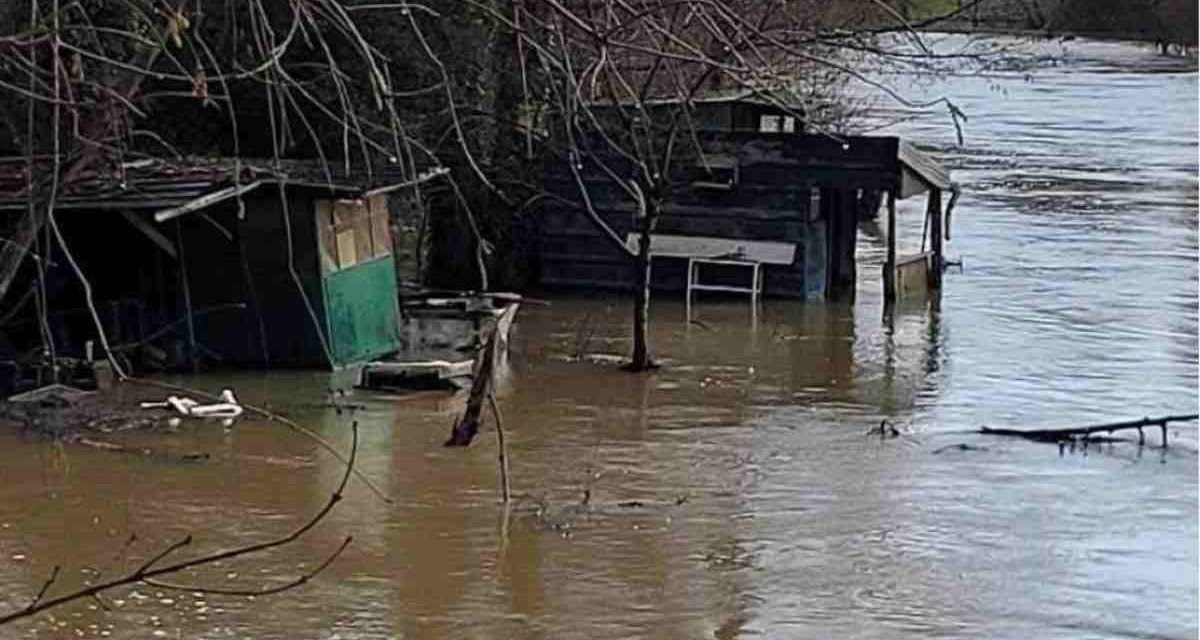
(465, 428)
(150, 232)
(1059, 435)
(206, 201)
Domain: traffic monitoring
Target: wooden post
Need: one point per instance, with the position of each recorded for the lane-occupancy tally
(839, 210)
(889, 266)
(187, 299)
(691, 280)
(935, 237)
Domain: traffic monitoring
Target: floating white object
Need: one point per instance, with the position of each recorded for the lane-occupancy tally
(182, 405)
(219, 410)
(226, 410)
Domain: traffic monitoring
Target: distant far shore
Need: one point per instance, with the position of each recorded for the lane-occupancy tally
(1164, 48)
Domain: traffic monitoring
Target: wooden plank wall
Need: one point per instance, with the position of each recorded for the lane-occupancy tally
(291, 337)
(770, 202)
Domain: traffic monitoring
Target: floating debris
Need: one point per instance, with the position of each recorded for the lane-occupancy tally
(1085, 433)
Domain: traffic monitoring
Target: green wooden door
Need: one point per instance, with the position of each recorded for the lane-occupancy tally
(358, 276)
(362, 309)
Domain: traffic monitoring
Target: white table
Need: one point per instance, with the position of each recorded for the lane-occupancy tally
(694, 284)
(703, 250)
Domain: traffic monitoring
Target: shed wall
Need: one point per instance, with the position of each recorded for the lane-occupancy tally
(771, 201)
(292, 337)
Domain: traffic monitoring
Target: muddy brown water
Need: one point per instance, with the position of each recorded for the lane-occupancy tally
(733, 493)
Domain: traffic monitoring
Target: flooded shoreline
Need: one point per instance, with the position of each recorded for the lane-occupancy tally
(764, 508)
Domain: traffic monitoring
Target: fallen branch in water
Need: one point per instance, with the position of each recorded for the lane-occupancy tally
(503, 460)
(465, 428)
(483, 388)
(961, 446)
(148, 570)
(1060, 435)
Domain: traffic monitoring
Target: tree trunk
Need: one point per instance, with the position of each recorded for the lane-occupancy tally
(641, 360)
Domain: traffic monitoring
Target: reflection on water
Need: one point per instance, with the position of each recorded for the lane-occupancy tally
(734, 493)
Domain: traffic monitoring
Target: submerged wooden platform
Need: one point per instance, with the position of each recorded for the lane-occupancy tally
(440, 334)
(384, 375)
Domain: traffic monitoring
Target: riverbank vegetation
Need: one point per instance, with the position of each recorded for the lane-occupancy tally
(481, 95)
(467, 100)
(1169, 24)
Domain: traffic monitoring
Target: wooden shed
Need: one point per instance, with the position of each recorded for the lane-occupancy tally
(238, 263)
(755, 192)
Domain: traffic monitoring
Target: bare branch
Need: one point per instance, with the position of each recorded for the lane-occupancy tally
(147, 570)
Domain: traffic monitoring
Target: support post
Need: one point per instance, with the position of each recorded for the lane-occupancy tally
(839, 209)
(889, 266)
(187, 299)
(691, 280)
(935, 237)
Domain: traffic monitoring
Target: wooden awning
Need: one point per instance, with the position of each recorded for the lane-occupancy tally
(918, 171)
(884, 163)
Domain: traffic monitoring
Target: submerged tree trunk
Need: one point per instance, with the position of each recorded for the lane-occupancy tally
(641, 360)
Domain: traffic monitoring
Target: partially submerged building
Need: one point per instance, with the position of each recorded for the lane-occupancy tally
(234, 262)
(758, 206)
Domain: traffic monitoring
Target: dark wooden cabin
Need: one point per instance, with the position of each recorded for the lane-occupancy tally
(758, 192)
(222, 262)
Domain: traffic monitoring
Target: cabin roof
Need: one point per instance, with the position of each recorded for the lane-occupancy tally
(176, 187)
(921, 164)
(866, 162)
(738, 96)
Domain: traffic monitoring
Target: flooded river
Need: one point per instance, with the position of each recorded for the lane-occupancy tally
(734, 493)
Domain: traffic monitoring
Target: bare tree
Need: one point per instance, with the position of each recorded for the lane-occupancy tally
(88, 88)
(612, 84)
(98, 86)
(616, 83)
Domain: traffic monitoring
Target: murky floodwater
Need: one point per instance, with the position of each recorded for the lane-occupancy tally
(734, 493)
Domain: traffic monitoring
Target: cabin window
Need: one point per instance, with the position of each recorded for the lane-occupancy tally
(353, 231)
(777, 124)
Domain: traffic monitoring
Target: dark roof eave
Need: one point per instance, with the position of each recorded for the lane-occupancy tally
(929, 170)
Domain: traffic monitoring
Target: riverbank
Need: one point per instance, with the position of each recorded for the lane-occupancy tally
(1170, 25)
(1173, 50)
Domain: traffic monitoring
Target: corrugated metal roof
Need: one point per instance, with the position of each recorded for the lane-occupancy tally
(166, 184)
